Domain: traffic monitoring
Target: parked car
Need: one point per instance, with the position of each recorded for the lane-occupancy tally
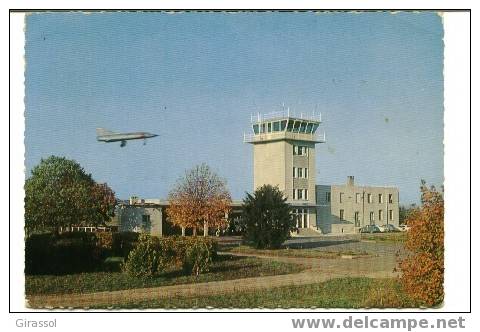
(370, 229)
(382, 228)
(390, 228)
(404, 228)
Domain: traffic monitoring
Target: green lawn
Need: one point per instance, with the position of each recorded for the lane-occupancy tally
(335, 293)
(301, 253)
(224, 268)
(399, 237)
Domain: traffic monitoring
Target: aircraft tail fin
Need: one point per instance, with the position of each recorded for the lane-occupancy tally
(103, 132)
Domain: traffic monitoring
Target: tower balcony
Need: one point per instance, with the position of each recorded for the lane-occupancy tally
(284, 135)
(276, 126)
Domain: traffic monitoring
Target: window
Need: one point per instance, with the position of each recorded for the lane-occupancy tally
(305, 173)
(315, 126)
(342, 214)
(305, 194)
(357, 198)
(372, 217)
(309, 128)
(300, 150)
(299, 194)
(263, 128)
(269, 127)
(369, 198)
(283, 125)
(276, 126)
(146, 225)
(294, 192)
(255, 129)
(290, 125)
(301, 217)
(390, 198)
(296, 127)
(328, 197)
(341, 197)
(300, 172)
(380, 215)
(390, 215)
(303, 126)
(357, 219)
(380, 198)
(294, 172)
(305, 217)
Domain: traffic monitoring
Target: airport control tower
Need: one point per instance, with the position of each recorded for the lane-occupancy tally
(284, 155)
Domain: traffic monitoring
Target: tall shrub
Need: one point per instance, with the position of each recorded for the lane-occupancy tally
(145, 259)
(267, 218)
(423, 268)
(153, 255)
(198, 254)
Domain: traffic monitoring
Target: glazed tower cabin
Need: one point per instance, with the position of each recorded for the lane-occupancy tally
(284, 155)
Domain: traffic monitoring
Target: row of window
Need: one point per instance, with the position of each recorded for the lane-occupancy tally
(299, 172)
(358, 198)
(300, 150)
(300, 194)
(294, 126)
(356, 216)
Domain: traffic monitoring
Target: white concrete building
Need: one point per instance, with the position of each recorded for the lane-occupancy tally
(284, 156)
(346, 208)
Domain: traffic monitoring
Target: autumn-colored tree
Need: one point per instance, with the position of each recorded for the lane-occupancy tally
(403, 213)
(103, 202)
(199, 199)
(59, 193)
(423, 268)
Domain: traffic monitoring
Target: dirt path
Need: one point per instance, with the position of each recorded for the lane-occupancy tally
(317, 270)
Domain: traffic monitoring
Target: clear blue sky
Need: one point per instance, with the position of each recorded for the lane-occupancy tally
(195, 78)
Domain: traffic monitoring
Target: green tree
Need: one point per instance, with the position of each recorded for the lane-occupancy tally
(267, 218)
(59, 193)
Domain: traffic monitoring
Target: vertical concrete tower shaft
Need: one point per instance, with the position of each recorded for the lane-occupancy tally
(284, 156)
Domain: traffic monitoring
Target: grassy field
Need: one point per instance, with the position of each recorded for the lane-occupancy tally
(385, 237)
(224, 268)
(335, 293)
(301, 253)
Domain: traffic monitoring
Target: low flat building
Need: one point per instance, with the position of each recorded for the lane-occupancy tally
(150, 216)
(141, 215)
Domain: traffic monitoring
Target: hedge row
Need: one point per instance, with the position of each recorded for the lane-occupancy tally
(153, 255)
(74, 252)
(144, 255)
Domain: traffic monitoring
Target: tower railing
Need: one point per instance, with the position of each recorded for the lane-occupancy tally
(314, 116)
(252, 138)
